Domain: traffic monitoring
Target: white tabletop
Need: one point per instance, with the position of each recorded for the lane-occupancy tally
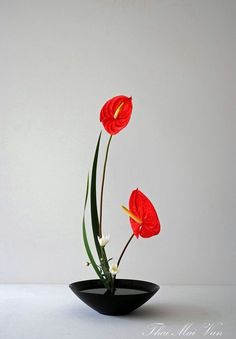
(54, 312)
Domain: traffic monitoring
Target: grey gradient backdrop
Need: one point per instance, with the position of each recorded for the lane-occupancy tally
(59, 62)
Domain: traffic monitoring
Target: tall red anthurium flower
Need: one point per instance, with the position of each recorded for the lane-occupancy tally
(116, 113)
(143, 216)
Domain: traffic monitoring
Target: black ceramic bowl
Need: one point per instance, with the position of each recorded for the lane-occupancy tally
(129, 295)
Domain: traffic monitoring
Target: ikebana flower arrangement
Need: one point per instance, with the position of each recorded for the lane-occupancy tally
(114, 116)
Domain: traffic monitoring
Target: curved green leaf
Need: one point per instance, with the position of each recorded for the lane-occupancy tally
(93, 199)
(86, 244)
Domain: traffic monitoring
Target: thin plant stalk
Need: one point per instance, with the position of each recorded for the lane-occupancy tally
(113, 282)
(102, 186)
(124, 249)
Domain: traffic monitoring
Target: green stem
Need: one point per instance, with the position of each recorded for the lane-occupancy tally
(102, 186)
(113, 282)
(105, 264)
(124, 249)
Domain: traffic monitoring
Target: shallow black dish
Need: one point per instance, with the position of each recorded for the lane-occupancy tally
(129, 295)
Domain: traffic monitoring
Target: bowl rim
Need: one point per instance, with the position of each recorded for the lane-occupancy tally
(146, 286)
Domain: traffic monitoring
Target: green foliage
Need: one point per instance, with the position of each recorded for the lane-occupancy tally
(93, 199)
(102, 270)
(86, 244)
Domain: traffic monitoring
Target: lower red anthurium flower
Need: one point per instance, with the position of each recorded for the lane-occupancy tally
(143, 216)
(116, 113)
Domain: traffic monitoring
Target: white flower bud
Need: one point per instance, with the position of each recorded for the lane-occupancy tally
(113, 269)
(103, 240)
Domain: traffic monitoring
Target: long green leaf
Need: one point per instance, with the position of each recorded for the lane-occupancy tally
(93, 199)
(94, 212)
(86, 244)
(94, 215)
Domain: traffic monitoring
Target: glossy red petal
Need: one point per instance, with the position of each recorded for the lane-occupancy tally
(112, 124)
(142, 207)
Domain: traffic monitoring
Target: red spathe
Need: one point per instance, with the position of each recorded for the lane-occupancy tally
(142, 207)
(115, 114)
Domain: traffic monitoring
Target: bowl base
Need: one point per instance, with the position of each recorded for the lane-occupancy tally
(128, 296)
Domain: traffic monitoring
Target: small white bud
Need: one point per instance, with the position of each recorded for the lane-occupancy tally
(113, 269)
(103, 240)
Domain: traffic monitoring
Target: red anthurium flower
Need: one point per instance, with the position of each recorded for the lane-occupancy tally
(143, 216)
(116, 113)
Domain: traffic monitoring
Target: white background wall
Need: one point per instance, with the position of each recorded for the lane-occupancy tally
(59, 62)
